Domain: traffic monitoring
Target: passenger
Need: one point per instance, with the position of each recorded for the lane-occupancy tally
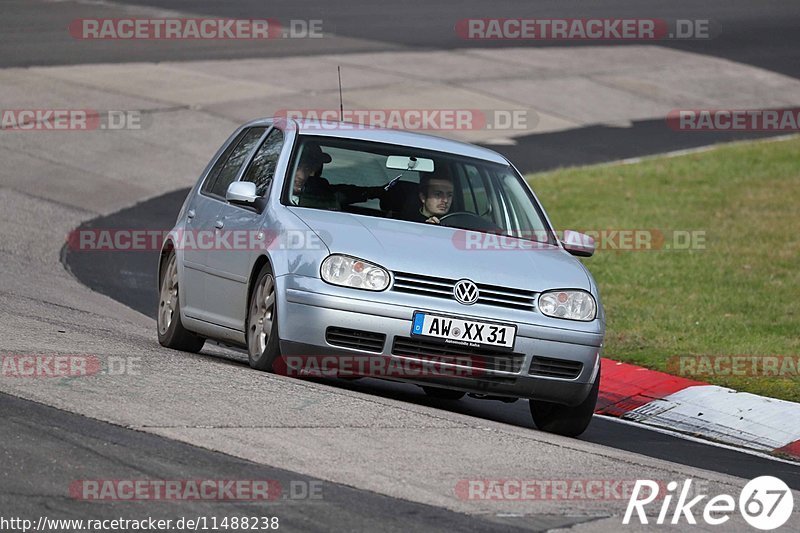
(310, 189)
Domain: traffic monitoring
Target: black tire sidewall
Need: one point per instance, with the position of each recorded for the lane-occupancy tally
(566, 420)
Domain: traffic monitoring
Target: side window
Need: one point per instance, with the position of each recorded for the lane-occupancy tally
(262, 170)
(235, 160)
(223, 158)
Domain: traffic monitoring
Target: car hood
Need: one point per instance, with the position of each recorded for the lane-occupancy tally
(439, 251)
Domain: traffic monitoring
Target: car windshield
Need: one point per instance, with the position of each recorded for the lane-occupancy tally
(367, 178)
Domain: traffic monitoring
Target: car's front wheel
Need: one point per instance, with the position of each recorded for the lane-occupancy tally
(563, 419)
(263, 345)
(171, 332)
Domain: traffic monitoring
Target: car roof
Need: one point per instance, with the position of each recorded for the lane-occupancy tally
(349, 130)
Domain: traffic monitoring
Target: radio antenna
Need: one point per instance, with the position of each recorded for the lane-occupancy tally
(341, 104)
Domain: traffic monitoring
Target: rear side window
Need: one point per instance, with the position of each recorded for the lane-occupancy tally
(226, 169)
(223, 158)
(262, 169)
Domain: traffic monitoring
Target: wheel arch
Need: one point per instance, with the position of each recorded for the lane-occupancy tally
(166, 249)
(251, 282)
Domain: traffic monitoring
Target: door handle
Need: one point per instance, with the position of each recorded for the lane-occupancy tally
(190, 214)
(219, 224)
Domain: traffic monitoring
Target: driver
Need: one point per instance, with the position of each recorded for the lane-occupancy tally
(435, 195)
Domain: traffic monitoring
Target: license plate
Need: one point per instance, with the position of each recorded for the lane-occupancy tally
(463, 332)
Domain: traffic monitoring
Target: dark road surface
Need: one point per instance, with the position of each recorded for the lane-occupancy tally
(45, 451)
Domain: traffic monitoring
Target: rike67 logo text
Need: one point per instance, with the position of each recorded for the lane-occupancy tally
(765, 503)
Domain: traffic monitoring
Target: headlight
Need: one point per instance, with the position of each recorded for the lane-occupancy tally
(572, 305)
(353, 272)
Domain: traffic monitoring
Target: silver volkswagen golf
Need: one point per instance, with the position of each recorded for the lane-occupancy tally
(407, 256)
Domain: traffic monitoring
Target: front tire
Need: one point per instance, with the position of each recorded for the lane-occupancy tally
(171, 332)
(563, 419)
(263, 345)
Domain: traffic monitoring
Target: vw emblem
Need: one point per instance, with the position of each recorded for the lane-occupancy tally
(465, 292)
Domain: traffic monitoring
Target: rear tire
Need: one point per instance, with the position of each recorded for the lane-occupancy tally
(171, 332)
(263, 345)
(563, 419)
(443, 394)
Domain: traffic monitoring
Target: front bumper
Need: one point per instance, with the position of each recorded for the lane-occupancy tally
(309, 306)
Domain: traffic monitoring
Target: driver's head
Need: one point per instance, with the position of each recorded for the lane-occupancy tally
(436, 192)
(304, 170)
(310, 164)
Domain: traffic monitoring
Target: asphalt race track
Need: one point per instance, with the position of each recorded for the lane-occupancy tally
(384, 456)
(92, 449)
(759, 33)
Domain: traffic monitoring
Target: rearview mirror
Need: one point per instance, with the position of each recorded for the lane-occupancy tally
(419, 164)
(578, 244)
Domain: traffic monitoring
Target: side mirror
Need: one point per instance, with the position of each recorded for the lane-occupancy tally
(241, 192)
(578, 244)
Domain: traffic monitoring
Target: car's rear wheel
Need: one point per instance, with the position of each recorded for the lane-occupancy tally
(443, 394)
(563, 419)
(263, 345)
(171, 332)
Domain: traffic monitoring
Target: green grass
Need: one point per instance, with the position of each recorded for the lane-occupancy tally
(740, 295)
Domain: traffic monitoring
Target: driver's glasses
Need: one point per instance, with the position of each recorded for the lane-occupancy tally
(442, 195)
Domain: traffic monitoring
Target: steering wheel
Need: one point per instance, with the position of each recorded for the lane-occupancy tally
(466, 220)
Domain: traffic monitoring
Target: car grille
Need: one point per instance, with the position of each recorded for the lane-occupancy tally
(479, 358)
(443, 288)
(356, 339)
(555, 368)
